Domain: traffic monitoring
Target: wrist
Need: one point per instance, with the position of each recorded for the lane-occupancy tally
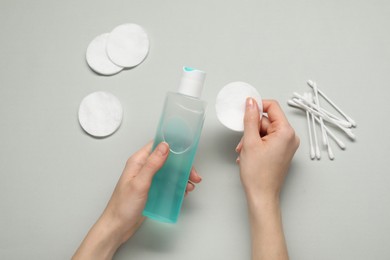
(110, 231)
(257, 196)
(266, 227)
(259, 203)
(120, 227)
(264, 212)
(101, 242)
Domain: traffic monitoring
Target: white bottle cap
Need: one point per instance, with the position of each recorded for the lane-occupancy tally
(191, 83)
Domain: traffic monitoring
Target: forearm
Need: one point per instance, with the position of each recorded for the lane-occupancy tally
(101, 241)
(268, 240)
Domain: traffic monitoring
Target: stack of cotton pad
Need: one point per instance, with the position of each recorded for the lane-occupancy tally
(100, 114)
(230, 104)
(125, 47)
(318, 115)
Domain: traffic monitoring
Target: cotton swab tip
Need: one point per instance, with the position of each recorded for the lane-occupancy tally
(292, 103)
(350, 134)
(353, 123)
(330, 154)
(312, 154)
(318, 153)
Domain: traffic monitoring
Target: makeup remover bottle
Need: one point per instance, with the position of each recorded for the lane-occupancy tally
(180, 126)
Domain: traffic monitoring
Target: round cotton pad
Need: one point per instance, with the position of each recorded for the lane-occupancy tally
(230, 104)
(97, 58)
(100, 114)
(127, 45)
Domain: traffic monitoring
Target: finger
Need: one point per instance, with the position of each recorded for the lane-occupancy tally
(135, 163)
(265, 124)
(138, 159)
(239, 146)
(274, 111)
(190, 187)
(194, 176)
(154, 162)
(251, 121)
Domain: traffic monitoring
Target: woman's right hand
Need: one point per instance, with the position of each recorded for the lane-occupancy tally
(265, 153)
(266, 150)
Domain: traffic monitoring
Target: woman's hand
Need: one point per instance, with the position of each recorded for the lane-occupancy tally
(266, 150)
(123, 214)
(265, 153)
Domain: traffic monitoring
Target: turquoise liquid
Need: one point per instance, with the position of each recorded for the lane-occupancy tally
(180, 126)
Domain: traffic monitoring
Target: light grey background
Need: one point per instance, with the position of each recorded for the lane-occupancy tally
(55, 180)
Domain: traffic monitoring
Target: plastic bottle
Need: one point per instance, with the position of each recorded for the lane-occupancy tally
(180, 126)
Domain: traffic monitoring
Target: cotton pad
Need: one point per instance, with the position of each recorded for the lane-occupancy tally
(127, 45)
(100, 114)
(97, 58)
(230, 104)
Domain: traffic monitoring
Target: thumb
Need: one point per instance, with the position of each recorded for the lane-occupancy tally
(154, 162)
(251, 121)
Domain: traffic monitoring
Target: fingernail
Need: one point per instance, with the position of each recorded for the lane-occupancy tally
(163, 148)
(249, 103)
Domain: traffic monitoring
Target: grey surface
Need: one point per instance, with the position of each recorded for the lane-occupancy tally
(55, 179)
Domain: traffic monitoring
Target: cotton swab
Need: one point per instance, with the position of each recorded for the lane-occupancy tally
(322, 110)
(330, 152)
(311, 84)
(331, 134)
(325, 140)
(309, 122)
(325, 117)
(300, 104)
(318, 153)
(312, 153)
(317, 102)
(310, 103)
(344, 122)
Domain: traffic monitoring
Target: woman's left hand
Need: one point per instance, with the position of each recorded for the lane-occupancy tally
(123, 214)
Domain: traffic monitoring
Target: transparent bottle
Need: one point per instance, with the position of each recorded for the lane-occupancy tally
(180, 126)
